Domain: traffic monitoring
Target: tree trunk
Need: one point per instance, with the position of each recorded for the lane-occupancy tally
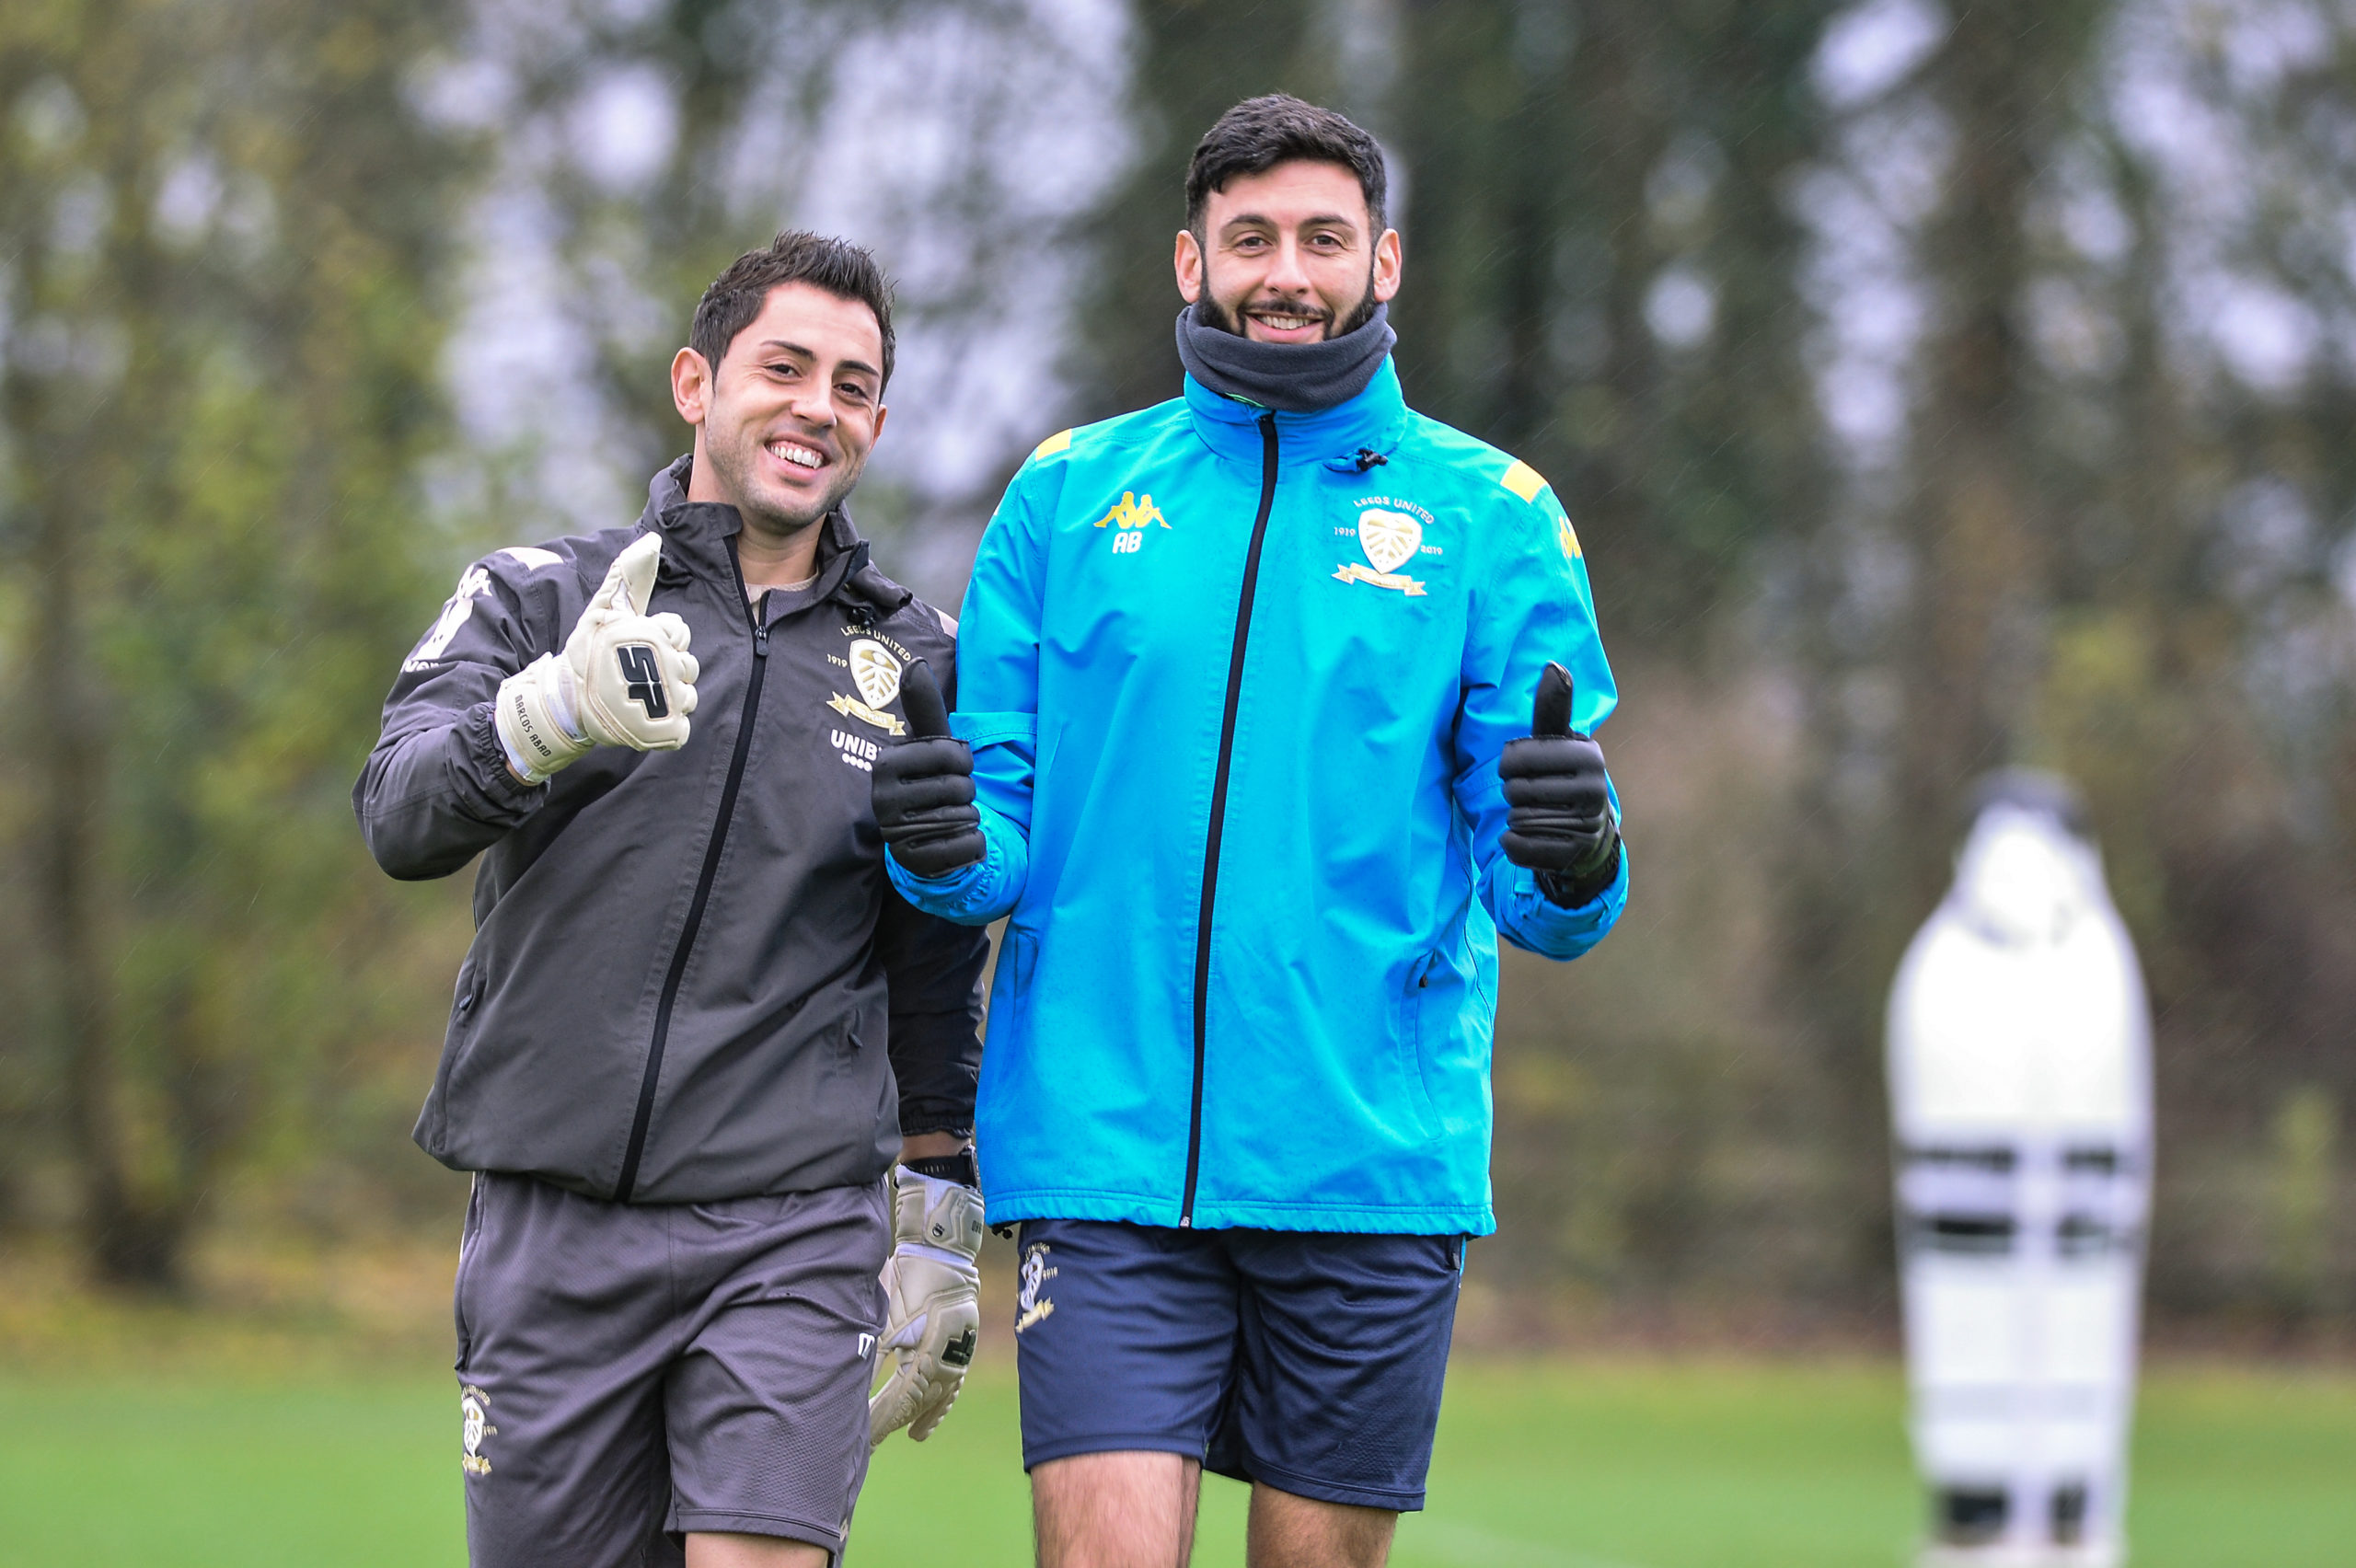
(130, 1244)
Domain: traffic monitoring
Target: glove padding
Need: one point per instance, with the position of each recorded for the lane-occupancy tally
(924, 786)
(624, 679)
(1559, 823)
(932, 1314)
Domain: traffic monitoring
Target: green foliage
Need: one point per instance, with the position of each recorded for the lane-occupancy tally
(219, 394)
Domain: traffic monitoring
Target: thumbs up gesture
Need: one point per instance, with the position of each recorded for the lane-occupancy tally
(1559, 820)
(924, 786)
(624, 679)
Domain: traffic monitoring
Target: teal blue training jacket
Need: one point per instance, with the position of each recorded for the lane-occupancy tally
(1236, 683)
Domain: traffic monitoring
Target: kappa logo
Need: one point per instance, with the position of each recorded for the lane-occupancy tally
(642, 678)
(472, 585)
(1030, 1305)
(1132, 515)
(876, 673)
(1390, 540)
(474, 1425)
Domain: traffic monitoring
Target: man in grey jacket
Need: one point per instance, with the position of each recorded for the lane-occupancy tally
(697, 1025)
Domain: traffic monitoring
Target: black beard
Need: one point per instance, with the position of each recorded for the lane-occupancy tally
(1359, 317)
(734, 478)
(1209, 313)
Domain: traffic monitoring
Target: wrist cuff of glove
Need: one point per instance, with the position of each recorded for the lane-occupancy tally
(958, 1168)
(1583, 885)
(530, 714)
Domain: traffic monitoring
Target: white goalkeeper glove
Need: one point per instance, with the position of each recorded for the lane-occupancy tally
(624, 679)
(932, 1317)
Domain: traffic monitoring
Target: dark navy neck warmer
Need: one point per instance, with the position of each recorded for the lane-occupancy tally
(1294, 378)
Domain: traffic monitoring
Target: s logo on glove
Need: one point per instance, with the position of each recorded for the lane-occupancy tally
(642, 678)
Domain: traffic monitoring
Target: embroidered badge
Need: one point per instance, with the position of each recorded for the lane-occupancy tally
(1030, 1307)
(1390, 540)
(474, 1425)
(877, 674)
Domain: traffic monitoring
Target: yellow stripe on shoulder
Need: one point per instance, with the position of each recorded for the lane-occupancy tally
(1058, 442)
(1523, 481)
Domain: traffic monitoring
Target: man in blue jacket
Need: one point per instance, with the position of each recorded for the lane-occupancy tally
(1244, 748)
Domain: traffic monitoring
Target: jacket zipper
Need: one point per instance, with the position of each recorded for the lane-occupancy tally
(758, 614)
(1218, 809)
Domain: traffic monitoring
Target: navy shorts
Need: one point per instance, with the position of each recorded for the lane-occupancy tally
(1308, 1361)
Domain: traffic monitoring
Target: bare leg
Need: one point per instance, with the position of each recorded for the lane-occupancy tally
(708, 1549)
(1301, 1532)
(1124, 1510)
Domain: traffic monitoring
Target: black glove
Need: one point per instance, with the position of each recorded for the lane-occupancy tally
(1560, 824)
(924, 786)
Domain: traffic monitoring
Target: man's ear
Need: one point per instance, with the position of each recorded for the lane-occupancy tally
(690, 386)
(1188, 262)
(1389, 265)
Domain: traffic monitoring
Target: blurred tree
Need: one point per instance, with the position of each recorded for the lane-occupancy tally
(219, 228)
(1604, 276)
(1194, 59)
(2102, 540)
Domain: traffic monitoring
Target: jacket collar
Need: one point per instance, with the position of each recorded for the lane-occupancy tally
(1373, 420)
(699, 540)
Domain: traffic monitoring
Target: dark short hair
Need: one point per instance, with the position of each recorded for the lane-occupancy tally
(1259, 133)
(842, 269)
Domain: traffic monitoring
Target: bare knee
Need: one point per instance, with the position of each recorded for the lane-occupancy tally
(713, 1549)
(1121, 1510)
(1302, 1532)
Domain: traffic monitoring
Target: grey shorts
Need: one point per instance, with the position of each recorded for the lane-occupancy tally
(630, 1373)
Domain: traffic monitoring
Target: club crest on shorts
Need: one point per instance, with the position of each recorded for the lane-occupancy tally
(1390, 540)
(1030, 1305)
(474, 1425)
(876, 673)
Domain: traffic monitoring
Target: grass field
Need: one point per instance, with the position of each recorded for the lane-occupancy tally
(1562, 1465)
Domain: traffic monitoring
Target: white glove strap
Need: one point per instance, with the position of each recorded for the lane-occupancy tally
(930, 1213)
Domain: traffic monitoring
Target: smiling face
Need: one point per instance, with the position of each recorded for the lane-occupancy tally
(1286, 256)
(784, 422)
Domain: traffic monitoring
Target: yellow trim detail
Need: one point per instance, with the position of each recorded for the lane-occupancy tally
(1568, 538)
(1053, 444)
(1523, 481)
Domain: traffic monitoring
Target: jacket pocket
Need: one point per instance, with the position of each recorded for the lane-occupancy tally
(1018, 951)
(467, 1236)
(1413, 1073)
(455, 1042)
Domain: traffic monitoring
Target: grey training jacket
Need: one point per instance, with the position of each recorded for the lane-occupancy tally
(691, 979)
